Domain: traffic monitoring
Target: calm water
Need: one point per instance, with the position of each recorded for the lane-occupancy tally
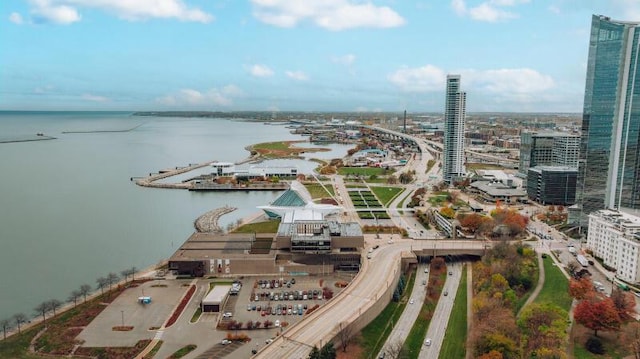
(69, 214)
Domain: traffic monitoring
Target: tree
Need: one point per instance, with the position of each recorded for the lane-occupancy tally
(494, 354)
(572, 267)
(581, 288)
(395, 350)
(328, 351)
(102, 283)
(42, 309)
(6, 325)
(74, 296)
(133, 271)
(112, 279)
(597, 315)
(84, 290)
(54, 305)
(345, 335)
(471, 221)
(625, 304)
(315, 353)
(19, 319)
(125, 274)
(392, 179)
(447, 212)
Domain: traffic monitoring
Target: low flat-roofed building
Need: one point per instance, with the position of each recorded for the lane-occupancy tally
(214, 301)
(214, 254)
(492, 191)
(307, 231)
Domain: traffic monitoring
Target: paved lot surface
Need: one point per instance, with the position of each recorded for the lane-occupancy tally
(99, 332)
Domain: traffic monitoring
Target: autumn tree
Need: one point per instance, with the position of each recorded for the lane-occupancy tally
(345, 335)
(625, 304)
(598, 314)
(544, 328)
(581, 288)
(472, 221)
(447, 212)
(494, 354)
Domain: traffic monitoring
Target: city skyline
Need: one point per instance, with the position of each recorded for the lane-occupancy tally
(342, 55)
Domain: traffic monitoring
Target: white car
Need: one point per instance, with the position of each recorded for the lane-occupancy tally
(276, 324)
(225, 341)
(227, 315)
(427, 342)
(268, 341)
(411, 301)
(390, 241)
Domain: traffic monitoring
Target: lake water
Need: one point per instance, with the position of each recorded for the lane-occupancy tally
(69, 213)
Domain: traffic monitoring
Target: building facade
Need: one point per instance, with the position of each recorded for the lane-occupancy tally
(552, 184)
(609, 155)
(454, 119)
(614, 237)
(548, 149)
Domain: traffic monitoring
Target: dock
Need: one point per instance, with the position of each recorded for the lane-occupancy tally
(150, 181)
(261, 186)
(208, 222)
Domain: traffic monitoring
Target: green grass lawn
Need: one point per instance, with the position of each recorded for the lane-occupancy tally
(17, 345)
(317, 191)
(386, 194)
(374, 335)
(274, 146)
(361, 171)
(556, 286)
(482, 166)
(455, 337)
(260, 227)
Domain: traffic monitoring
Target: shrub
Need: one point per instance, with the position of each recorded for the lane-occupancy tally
(594, 345)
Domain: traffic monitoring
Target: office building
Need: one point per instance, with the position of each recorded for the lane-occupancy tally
(552, 184)
(548, 149)
(454, 118)
(609, 155)
(614, 237)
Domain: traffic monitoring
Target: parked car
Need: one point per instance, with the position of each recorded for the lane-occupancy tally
(225, 341)
(227, 315)
(276, 324)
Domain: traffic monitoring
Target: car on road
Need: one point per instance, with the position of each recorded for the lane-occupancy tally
(390, 241)
(427, 342)
(268, 341)
(225, 341)
(376, 246)
(411, 301)
(450, 273)
(446, 293)
(227, 315)
(426, 270)
(276, 324)
(424, 282)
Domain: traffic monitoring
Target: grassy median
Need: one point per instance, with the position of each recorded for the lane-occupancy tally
(556, 286)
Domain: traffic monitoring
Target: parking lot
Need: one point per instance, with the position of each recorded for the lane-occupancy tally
(285, 300)
(126, 310)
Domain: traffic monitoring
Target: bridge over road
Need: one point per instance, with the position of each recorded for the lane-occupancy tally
(364, 298)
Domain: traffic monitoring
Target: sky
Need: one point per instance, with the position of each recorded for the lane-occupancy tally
(297, 55)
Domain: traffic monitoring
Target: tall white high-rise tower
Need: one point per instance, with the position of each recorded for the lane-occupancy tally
(454, 116)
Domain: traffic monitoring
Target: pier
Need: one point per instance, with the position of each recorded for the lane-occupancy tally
(150, 181)
(208, 222)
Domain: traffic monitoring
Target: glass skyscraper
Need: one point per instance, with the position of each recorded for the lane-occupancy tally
(454, 116)
(609, 148)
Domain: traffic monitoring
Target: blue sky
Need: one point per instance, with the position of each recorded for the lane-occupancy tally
(304, 55)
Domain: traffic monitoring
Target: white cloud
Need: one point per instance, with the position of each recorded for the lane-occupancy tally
(66, 11)
(333, 15)
(297, 75)
(94, 98)
(346, 60)
(212, 97)
(259, 70)
(520, 85)
(54, 11)
(489, 11)
(16, 18)
(420, 79)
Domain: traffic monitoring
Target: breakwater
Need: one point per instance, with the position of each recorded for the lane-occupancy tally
(150, 181)
(38, 137)
(208, 222)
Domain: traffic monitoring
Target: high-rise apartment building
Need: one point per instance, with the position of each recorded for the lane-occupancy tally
(613, 237)
(609, 164)
(548, 149)
(454, 116)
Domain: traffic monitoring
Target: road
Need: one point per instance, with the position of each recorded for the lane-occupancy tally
(401, 329)
(440, 319)
(375, 276)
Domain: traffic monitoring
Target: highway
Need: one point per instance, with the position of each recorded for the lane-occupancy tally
(375, 276)
(440, 319)
(401, 330)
